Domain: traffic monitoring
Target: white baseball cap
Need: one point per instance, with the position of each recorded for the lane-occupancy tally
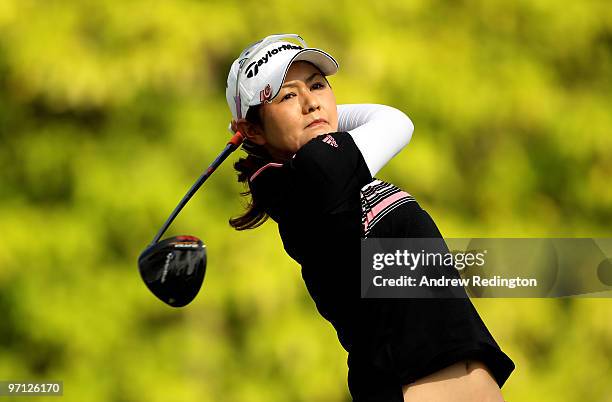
(257, 75)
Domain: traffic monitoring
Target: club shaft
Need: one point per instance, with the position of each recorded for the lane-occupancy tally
(231, 146)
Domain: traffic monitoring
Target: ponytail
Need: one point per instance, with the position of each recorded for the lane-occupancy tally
(257, 157)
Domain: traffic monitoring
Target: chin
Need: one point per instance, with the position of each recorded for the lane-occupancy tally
(319, 130)
(313, 134)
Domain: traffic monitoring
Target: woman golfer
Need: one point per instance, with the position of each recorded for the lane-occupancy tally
(310, 167)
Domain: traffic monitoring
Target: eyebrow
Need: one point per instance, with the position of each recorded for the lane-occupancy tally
(312, 77)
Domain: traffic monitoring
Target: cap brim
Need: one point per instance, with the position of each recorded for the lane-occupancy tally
(322, 60)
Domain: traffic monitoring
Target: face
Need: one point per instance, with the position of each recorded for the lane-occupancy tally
(304, 108)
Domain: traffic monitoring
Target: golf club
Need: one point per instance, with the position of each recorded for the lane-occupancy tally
(174, 268)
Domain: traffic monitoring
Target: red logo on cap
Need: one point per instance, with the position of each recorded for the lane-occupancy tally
(265, 94)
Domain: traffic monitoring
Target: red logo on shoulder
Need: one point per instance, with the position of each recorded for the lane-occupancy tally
(328, 139)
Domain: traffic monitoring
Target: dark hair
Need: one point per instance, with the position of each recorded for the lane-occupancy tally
(256, 158)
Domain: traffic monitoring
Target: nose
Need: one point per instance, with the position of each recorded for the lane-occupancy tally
(310, 102)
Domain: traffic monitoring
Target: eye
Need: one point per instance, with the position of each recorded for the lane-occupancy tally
(318, 85)
(288, 96)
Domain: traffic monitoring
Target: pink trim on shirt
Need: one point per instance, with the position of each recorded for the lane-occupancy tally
(384, 204)
(261, 169)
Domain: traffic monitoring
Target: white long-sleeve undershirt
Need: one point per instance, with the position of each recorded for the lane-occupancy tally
(379, 131)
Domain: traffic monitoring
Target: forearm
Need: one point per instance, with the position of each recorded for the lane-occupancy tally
(379, 131)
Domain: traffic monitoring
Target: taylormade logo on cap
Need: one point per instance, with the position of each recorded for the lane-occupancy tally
(251, 83)
(253, 68)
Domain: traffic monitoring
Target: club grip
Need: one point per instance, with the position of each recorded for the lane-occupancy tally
(236, 140)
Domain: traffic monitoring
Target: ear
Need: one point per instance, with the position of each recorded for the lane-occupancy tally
(251, 131)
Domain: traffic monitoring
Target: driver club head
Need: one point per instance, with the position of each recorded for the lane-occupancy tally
(174, 268)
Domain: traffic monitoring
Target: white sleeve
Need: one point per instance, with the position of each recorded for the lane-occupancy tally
(379, 131)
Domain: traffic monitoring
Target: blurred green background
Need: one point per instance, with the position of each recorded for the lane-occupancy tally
(109, 111)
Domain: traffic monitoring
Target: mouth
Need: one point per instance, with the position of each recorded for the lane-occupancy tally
(316, 123)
